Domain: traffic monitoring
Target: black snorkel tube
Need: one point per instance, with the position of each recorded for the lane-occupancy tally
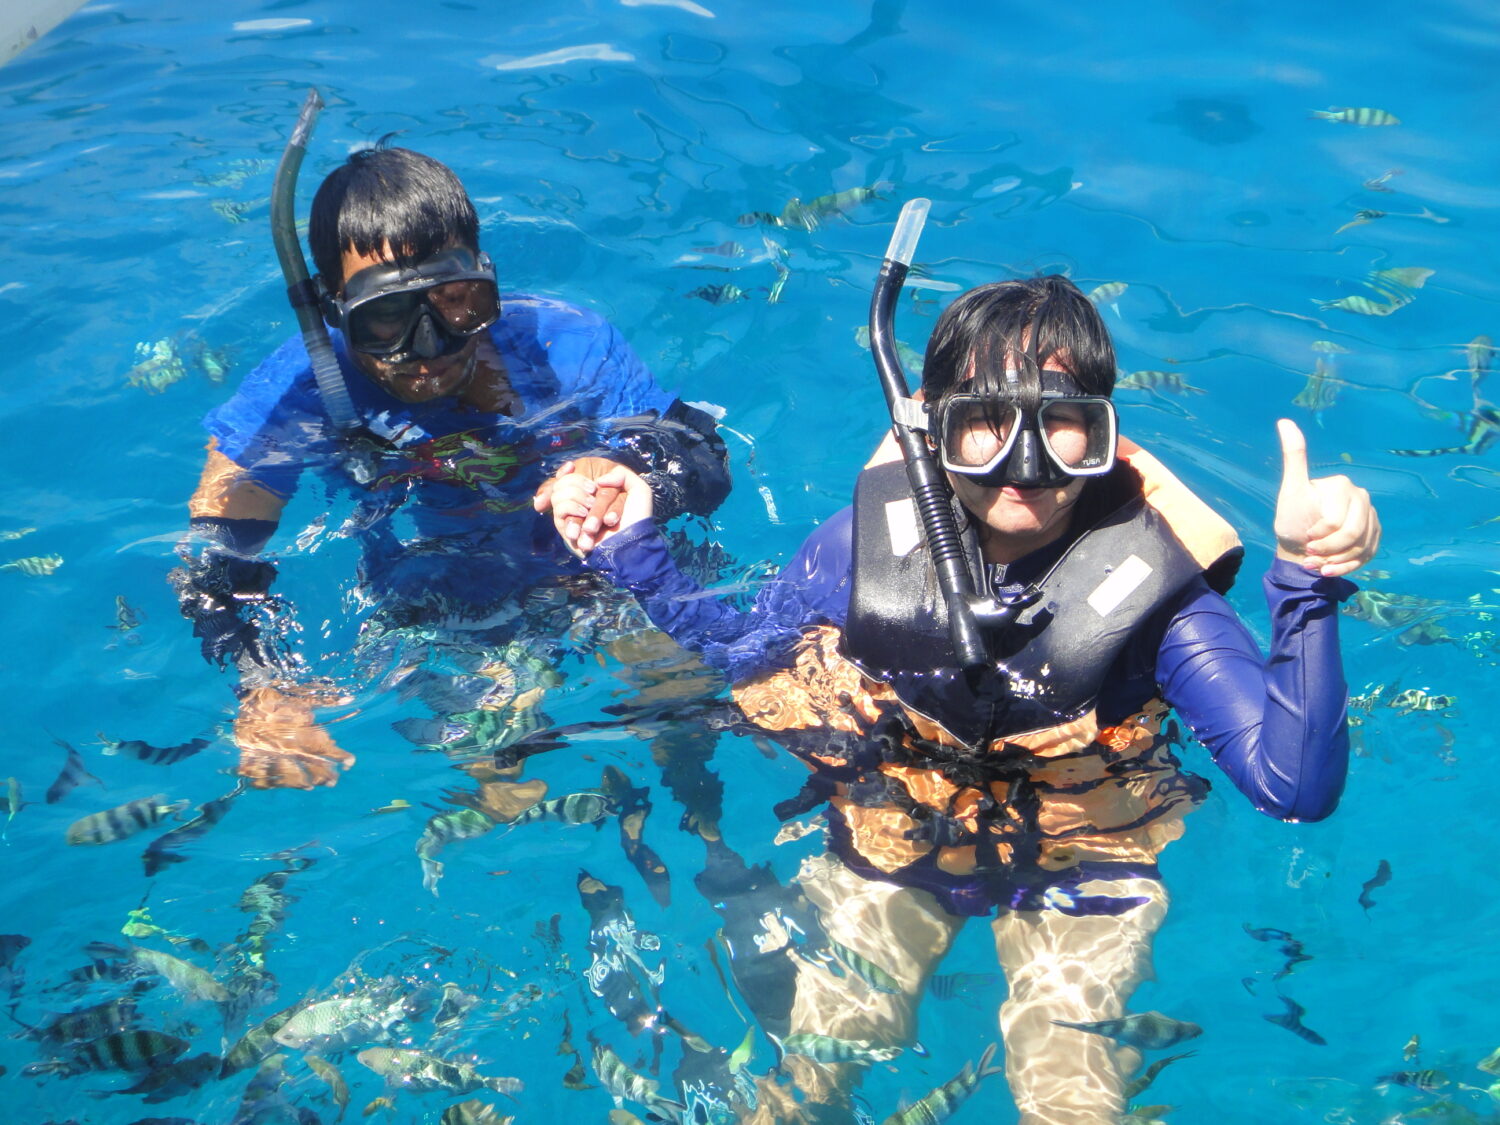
(908, 417)
(299, 287)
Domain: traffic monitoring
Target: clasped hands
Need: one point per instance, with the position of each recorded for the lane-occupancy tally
(590, 499)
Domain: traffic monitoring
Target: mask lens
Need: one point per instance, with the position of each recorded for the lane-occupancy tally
(381, 324)
(976, 433)
(465, 306)
(384, 325)
(1079, 434)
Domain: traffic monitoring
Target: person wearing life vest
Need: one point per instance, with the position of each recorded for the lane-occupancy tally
(1041, 788)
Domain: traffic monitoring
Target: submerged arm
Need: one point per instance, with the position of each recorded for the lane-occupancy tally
(280, 742)
(812, 587)
(234, 518)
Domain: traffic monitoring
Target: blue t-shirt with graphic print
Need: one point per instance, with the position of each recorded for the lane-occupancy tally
(445, 488)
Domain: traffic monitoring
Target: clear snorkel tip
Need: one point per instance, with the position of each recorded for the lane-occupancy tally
(908, 229)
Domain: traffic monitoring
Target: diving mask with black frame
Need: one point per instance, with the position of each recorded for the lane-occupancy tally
(1048, 442)
(398, 314)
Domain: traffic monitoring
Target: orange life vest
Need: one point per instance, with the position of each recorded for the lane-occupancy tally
(1052, 796)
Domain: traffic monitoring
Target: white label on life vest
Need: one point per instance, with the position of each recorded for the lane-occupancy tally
(1108, 595)
(901, 522)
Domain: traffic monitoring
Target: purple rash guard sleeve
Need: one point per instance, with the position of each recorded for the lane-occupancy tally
(1276, 727)
(812, 588)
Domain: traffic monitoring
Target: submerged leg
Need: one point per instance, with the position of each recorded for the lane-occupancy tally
(1078, 968)
(902, 933)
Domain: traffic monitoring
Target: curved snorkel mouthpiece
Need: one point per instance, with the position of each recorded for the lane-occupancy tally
(928, 486)
(299, 287)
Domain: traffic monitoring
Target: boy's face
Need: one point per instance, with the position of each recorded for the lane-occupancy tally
(419, 380)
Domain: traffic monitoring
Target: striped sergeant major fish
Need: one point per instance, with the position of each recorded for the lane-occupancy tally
(121, 1050)
(1148, 1031)
(1291, 1019)
(155, 755)
(35, 566)
(1157, 381)
(1139, 1084)
(1425, 1080)
(1321, 390)
(1484, 430)
(1415, 699)
(1360, 219)
(258, 1043)
(944, 1101)
(472, 1112)
(720, 294)
(441, 830)
(159, 853)
(1362, 305)
(872, 974)
(418, 1070)
(85, 1024)
(955, 986)
(122, 821)
(1363, 116)
(127, 617)
(626, 1085)
(808, 216)
(830, 1049)
(72, 776)
(588, 806)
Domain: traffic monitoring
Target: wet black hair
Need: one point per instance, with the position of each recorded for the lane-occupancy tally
(388, 195)
(1022, 324)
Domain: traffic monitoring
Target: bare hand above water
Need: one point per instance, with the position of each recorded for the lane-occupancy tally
(1327, 525)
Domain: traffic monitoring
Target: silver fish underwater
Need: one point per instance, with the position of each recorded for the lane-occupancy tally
(473, 1112)
(1148, 1031)
(1170, 381)
(155, 755)
(349, 1021)
(1364, 116)
(585, 807)
(945, 1101)
(829, 1049)
(73, 774)
(1362, 305)
(35, 566)
(189, 979)
(417, 1070)
(624, 1083)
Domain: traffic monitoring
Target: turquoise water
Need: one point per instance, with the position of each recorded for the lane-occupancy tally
(1165, 145)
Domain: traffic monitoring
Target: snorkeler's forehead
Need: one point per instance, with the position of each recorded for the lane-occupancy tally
(1056, 379)
(352, 260)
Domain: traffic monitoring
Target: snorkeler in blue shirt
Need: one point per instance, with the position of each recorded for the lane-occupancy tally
(1042, 784)
(454, 414)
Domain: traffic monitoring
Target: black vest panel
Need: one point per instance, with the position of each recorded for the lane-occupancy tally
(1050, 664)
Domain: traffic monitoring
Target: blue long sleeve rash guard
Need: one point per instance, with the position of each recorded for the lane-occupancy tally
(1277, 727)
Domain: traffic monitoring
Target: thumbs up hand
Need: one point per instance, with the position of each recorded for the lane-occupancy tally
(1326, 525)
